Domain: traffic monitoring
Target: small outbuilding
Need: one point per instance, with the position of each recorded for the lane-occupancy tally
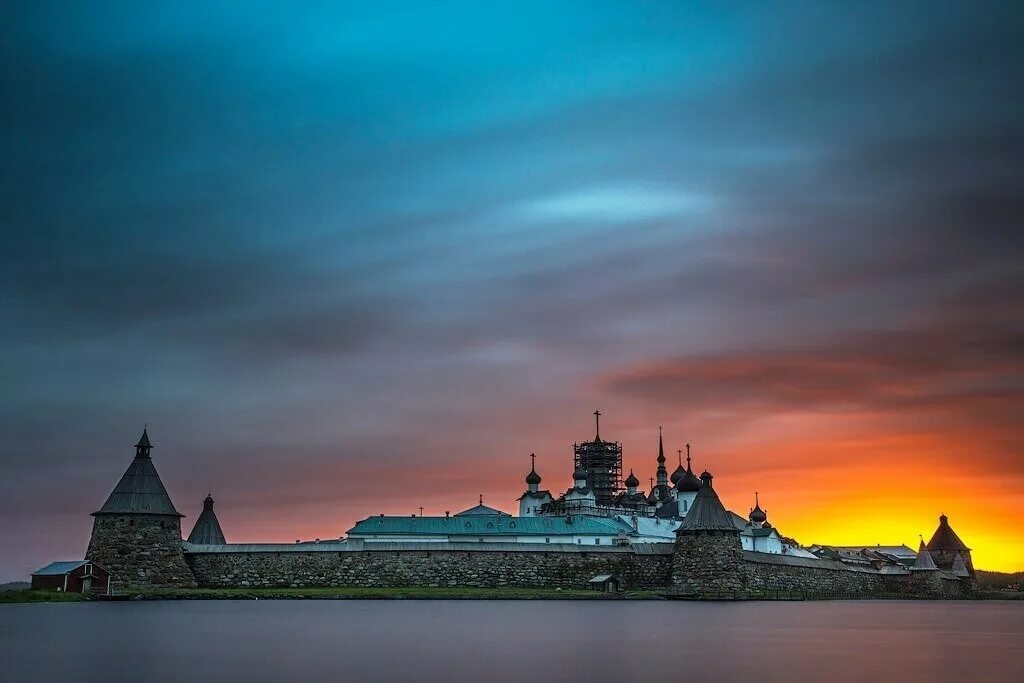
(80, 576)
(606, 583)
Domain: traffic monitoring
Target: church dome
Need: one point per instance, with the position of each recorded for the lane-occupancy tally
(678, 474)
(631, 480)
(580, 473)
(533, 479)
(688, 483)
(757, 515)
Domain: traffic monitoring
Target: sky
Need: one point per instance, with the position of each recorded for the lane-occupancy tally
(356, 259)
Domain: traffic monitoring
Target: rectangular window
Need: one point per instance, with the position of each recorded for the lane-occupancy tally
(547, 540)
(597, 541)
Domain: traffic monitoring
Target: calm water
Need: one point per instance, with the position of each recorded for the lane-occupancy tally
(512, 641)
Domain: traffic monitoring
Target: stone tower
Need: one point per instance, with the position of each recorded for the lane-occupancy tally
(708, 556)
(945, 546)
(136, 535)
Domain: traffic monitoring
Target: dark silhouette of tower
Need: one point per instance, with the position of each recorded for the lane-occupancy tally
(603, 462)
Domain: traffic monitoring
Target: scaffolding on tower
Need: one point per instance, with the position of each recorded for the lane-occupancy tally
(603, 462)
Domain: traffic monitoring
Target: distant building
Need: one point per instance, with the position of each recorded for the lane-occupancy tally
(79, 576)
(478, 527)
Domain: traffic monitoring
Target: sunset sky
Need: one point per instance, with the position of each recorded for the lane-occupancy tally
(359, 260)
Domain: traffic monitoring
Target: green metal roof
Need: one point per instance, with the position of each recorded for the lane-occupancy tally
(490, 525)
(58, 568)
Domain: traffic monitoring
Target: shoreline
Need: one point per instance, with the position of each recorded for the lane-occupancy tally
(437, 593)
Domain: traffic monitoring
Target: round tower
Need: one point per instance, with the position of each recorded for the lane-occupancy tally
(708, 556)
(136, 534)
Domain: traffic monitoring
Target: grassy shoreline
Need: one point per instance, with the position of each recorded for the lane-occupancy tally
(342, 593)
(407, 593)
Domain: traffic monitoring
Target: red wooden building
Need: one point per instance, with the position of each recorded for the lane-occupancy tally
(80, 576)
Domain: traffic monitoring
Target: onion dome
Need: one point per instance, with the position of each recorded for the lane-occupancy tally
(631, 480)
(757, 515)
(678, 474)
(533, 479)
(689, 483)
(580, 473)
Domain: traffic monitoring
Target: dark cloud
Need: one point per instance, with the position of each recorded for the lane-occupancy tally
(966, 361)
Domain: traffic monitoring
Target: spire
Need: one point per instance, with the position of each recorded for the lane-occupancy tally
(662, 473)
(207, 530)
(688, 458)
(143, 447)
(924, 561)
(140, 489)
(597, 425)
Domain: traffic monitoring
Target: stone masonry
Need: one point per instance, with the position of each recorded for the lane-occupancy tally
(401, 568)
(708, 562)
(140, 550)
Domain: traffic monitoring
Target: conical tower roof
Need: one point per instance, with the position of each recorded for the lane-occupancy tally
(207, 530)
(959, 568)
(924, 561)
(945, 538)
(707, 512)
(140, 490)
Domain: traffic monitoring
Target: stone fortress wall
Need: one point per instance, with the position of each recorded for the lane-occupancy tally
(701, 568)
(484, 565)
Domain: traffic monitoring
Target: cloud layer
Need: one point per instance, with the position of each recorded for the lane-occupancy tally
(348, 262)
